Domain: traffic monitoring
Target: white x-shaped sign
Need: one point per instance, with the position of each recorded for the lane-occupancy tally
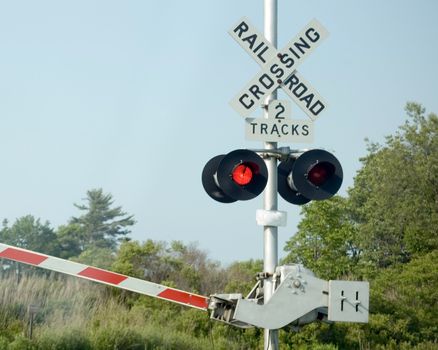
(278, 68)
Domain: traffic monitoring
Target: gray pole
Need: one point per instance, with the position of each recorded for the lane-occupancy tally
(270, 200)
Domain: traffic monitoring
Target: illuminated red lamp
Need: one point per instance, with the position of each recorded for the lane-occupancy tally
(320, 173)
(242, 174)
(312, 175)
(237, 176)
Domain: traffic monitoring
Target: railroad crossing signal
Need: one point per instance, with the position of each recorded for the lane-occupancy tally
(242, 175)
(278, 68)
(239, 175)
(313, 175)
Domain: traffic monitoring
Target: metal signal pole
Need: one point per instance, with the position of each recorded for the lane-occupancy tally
(270, 199)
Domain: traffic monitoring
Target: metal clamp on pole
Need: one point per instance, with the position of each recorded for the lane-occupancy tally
(271, 218)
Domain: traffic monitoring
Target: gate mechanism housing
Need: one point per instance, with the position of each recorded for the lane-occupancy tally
(300, 298)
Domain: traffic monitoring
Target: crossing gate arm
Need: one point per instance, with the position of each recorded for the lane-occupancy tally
(103, 276)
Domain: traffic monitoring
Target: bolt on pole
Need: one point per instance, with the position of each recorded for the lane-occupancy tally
(270, 233)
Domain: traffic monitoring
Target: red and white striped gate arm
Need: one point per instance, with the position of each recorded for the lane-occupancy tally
(103, 276)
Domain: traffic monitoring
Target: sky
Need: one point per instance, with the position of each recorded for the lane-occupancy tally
(133, 97)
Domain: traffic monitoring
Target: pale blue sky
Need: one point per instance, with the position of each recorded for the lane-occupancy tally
(132, 96)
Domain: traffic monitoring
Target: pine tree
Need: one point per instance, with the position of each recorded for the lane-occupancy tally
(101, 225)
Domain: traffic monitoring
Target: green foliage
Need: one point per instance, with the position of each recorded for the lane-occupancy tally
(386, 230)
(29, 233)
(70, 238)
(101, 225)
(69, 339)
(395, 193)
(77, 314)
(409, 292)
(311, 337)
(241, 276)
(98, 257)
(326, 234)
(182, 266)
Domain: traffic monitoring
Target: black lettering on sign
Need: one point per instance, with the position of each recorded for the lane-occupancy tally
(291, 81)
(264, 128)
(294, 85)
(251, 40)
(258, 47)
(317, 108)
(284, 129)
(295, 54)
(277, 70)
(275, 130)
(266, 81)
(286, 60)
(308, 99)
(260, 54)
(297, 91)
(281, 109)
(312, 35)
(253, 127)
(302, 45)
(246, 105)
(294, 129)
(255, 90)
(305, 130)
(241, 28)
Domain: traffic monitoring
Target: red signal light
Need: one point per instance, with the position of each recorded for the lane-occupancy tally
(237, 176)
(242, 174)
(320, 173)
(312, 175)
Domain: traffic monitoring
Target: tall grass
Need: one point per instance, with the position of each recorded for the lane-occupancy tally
(77, 314)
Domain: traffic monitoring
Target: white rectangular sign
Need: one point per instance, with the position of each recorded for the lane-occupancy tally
(284, 130)
(279, 110)
(279, 68)
(348, 301)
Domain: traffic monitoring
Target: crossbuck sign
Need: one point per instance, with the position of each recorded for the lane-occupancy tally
(278, 68)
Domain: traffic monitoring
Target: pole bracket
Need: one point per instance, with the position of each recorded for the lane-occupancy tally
(271, 217)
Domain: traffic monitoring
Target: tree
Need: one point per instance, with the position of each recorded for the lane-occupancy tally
(147, 260)
(29, 233)
(409, 292)
(182, 266)
(241, 276)
(101, 225)
(70, 238)
(326, 239)
(97, 257)
(391, 218)
(195, 269)
(395, 193)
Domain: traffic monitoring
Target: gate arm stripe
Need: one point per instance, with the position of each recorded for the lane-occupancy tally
(103, 276)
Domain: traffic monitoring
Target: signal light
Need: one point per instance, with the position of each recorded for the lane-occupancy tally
(320, 173)
(238, 175)
(242, 174)
(313, 175)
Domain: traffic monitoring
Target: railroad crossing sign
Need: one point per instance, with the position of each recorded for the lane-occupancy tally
(279, 126)
(278, 68)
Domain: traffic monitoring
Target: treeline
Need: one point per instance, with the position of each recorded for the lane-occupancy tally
(383, 231)
(96, 232)
(99, 237)
(81, 315)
